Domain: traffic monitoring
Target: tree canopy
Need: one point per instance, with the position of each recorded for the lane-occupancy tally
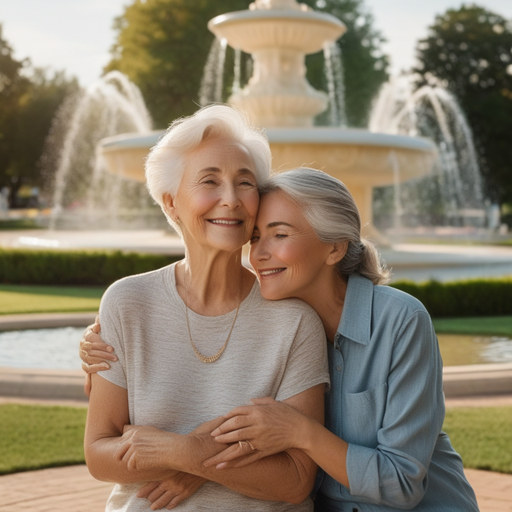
(29, 98)
(469, 50)
(162, 45)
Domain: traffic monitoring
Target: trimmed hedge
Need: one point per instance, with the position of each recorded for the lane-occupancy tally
(475, 297)
(86, 268)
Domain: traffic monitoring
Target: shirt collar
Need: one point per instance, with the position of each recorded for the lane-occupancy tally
(356, 318)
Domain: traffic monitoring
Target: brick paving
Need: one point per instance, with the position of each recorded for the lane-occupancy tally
(73, 489)
(70, 489)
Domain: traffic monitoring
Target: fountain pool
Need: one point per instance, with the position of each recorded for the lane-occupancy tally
(58, 349)
(41, 348)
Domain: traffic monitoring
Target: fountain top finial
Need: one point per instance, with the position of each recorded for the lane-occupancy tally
(278, 5)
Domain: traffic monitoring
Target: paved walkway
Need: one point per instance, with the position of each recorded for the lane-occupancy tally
(73, 489)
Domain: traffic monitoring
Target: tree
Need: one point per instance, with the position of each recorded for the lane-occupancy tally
(470, 51)
(12, 87)
(162, 45)
(36, 110)
(29, 99)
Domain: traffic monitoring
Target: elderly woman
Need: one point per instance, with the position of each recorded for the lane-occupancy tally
(382, 448)
(196, 339)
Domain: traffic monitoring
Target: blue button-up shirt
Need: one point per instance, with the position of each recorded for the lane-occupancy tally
(386, 400)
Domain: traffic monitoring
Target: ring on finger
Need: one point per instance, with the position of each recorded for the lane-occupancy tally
(248, 443)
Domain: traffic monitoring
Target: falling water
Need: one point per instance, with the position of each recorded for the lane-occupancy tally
(334, 72)
(237, 76)
(455, 188)
(212, 83)
(110, 106)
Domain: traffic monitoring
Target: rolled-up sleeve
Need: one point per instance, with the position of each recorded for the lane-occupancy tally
(394, 473)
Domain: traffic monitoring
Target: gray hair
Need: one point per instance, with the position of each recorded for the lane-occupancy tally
(331, 211)
(165, 163)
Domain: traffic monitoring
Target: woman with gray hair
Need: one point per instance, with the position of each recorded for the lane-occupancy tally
(382, 447)
(196, 339)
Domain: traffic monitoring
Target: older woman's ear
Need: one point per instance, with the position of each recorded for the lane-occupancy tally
(170, 207)
(338, 253)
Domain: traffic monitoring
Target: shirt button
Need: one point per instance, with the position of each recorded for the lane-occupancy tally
(338, 368)
(355, 510)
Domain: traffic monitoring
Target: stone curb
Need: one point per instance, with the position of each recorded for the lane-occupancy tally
(477, 379)
(44, 384)
(458, 381)
(45, 321)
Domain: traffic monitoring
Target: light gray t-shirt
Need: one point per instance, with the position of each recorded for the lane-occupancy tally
(277, 349)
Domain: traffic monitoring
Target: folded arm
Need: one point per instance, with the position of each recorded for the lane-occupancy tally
(106, 418)
(287, 476)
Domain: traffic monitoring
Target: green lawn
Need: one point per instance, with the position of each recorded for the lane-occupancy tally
(33, 437)
(487, 325)
(48, 299)
(482, 436)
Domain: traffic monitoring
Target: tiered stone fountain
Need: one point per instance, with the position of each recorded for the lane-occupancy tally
(279, 34)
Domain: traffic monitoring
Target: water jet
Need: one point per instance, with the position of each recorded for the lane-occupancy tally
(279, 34)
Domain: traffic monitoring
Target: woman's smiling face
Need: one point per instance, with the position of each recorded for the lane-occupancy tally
(217, 199)
(286, 253)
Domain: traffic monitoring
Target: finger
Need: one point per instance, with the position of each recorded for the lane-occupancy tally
(145, 491)
(157, 493)
(230, 453)
(127, 428)
(95, 368)
(96, 338)
(164, 500)
(242, 461)
(234, 436)
(101, 354)
(86, 358)
(234, 423)
(238, 411)
(176, 501)
(94, 342)
(96, 326)
(122, 451)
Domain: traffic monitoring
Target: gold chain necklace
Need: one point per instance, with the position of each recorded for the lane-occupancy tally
(201, 357)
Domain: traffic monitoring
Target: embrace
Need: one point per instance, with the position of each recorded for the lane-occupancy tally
(304, 385)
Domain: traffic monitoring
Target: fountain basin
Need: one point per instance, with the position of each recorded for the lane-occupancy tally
(254, 30)
(359, 158)
(125, 154)
(278, 36)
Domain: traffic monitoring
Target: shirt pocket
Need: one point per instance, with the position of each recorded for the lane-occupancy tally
(362, 415)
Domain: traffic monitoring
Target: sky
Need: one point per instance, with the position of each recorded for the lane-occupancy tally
(76, 35)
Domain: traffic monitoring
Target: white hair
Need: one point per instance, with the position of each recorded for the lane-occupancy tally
(165, 163)
(331, 211)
